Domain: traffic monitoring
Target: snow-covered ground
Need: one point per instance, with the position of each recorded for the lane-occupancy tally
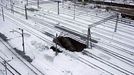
(113, 54)
(44, 58)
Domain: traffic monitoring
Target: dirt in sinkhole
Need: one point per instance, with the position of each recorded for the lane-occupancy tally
(69, 44)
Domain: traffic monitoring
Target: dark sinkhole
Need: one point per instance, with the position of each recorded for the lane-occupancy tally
(69, 44)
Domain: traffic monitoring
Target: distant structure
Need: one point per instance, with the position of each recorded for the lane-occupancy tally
(127, 2)
(125, 7)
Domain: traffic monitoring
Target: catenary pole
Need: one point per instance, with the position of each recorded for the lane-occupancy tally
(2, 10)
(23, 42)
(117, 19)
(58, 7)
(89, 38)
(26, 12)
(38, 3)
(56, 46)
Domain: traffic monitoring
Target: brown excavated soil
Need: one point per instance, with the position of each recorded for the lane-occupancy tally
(69, 44)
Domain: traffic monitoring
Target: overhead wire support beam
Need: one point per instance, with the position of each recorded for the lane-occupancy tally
(103, 20)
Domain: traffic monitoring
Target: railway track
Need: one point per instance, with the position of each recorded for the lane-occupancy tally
(7, 64)
(108, 38)
(111, 21)
(23, 9)
(120, 36)
(121, 71)
(29, 65)
(113, 28)
(115, 55)
(112, 49)
(100, 16)
(50, 43)
(117, 67)
(120, 57)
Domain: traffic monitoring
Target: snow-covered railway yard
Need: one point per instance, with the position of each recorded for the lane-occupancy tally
(10, 58)
(113, 54)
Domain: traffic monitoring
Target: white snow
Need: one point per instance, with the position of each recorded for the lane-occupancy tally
(37, 44)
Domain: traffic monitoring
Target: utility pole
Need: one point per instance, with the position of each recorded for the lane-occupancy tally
(12, 8)
(23, 45)
(38, 3)
(89, 38)
(116, 23)
(74, 1)
(58, 7)
(10, 2)
(56, 46)
(3, 13)
(10, 5)
(62, 3)
(27, 2)
(26, 12)
(74, 11)
(5, 66)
